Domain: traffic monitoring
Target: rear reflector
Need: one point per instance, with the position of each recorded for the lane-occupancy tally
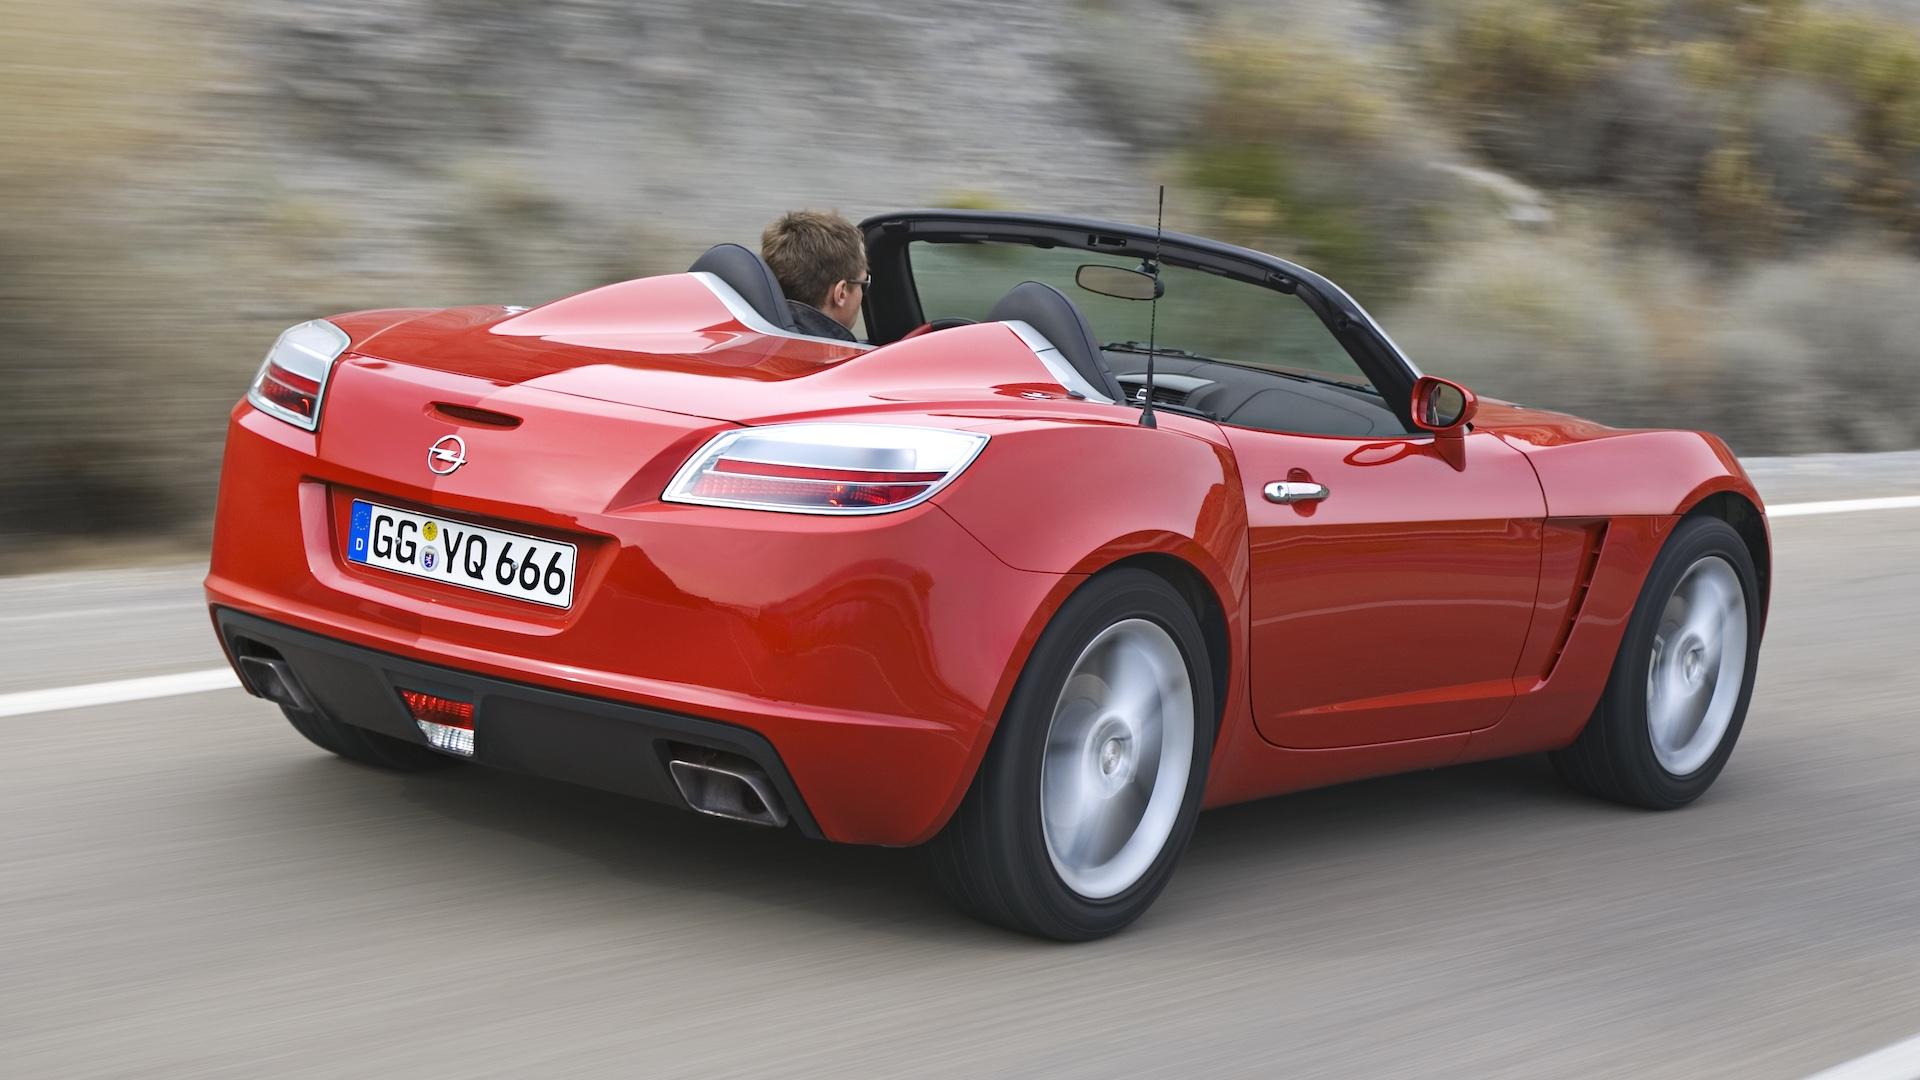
(447, 724)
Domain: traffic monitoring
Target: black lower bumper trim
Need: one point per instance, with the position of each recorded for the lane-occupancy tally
(528, 729)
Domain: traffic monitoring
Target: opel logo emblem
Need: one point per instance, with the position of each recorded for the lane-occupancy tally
(446, 455)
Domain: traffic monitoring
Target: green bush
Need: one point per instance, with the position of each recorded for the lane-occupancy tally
(1304, 148)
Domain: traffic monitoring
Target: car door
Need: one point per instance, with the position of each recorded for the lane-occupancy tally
(1395, 606)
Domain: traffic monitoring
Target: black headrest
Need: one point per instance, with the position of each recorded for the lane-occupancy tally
(1048, 310)
(751, 277)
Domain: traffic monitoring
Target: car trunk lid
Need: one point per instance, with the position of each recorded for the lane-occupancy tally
(665, 343)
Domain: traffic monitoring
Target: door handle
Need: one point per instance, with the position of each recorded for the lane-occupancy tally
(1295, 491)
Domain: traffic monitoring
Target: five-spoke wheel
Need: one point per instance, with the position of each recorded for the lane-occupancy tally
(1678, 693)
(1092, 783)
(1118, 752)
(1698, 666)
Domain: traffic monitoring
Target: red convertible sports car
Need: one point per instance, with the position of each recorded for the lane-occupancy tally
(985, 584)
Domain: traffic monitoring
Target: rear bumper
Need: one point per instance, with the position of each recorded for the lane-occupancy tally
(873, 654)
(593, 742)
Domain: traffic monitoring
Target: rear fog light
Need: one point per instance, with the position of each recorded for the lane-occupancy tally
(447, 724)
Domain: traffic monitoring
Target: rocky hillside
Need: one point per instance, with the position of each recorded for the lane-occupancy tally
(1659, 211)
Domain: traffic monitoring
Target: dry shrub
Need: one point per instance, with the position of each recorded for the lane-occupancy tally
(1129, 75)
(1538, 320)
(1741, 127)
(1827, 349)
(1803, 139)
(1307, 148)
(1821, 353)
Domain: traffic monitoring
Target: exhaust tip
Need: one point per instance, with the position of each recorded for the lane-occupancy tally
(273, 679)
(728, 787)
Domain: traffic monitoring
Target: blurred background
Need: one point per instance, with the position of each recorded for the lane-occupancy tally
(1701, 213)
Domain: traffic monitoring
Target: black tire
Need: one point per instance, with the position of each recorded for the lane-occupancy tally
(366, 747)
(992, 860)
(1614, 758)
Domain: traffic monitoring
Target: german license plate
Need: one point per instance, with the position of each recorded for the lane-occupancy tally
(502, 563)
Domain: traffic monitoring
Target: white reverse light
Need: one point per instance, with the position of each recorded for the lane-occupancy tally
(825, 468)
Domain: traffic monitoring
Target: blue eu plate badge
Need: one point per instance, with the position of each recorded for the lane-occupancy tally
(357, 530)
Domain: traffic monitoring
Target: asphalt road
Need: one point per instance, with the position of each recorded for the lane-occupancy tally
(188, 889)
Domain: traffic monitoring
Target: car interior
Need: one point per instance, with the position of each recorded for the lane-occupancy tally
(1252, 398)
(1231, 351)
(1268, 398)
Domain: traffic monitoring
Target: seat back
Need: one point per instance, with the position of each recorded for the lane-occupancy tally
(1059, 320)
(749, 275)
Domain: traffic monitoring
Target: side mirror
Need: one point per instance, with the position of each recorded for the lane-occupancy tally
(1443, 407)
(1117, 282)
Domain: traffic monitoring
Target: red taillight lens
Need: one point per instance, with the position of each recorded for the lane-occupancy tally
(805, 486)
(293, 379)
(294, 393)
(447, 723)
(825, 468)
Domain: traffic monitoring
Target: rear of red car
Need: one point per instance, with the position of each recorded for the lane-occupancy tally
(457, 532)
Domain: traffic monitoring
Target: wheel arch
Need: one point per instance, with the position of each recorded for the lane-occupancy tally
(1180, 562)
(1747, 519)
(1208, 609)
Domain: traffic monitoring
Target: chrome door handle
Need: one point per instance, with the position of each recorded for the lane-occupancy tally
(1294, 491)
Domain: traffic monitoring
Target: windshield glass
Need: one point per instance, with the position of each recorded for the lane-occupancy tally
(1201, 313)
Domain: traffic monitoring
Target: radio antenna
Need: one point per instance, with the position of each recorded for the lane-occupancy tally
(1153, 308)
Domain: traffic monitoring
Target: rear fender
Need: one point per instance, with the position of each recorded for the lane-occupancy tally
(1076, 499)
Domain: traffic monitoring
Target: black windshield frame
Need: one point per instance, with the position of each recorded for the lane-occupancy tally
(892, 306)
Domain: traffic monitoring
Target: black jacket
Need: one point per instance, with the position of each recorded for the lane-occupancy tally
(816, 323)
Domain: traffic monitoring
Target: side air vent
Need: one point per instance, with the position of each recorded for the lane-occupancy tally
(1582, 584)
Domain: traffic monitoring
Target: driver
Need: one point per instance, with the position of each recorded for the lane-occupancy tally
(821, 261)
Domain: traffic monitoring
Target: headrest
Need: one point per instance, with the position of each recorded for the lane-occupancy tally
(751, 277)
(1048, 310)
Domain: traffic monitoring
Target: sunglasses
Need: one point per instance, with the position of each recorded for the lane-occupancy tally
(865, 282)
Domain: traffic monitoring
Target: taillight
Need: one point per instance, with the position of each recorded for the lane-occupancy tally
(293, 379)
(825, 468)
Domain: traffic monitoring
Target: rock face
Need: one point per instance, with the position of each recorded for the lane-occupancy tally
(692, 122)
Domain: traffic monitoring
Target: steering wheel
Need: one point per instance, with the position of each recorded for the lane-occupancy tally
(935, 325)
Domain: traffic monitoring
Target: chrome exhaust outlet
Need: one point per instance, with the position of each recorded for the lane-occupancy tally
(729, 787)
(273, 680)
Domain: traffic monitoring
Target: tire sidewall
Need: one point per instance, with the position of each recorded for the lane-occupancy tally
(1693, 539)
(1015, 761)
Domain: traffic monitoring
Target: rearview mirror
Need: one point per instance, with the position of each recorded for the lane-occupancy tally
(1117, 282)
(1443, 407)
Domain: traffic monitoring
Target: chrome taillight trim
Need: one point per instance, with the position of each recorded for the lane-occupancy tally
(317, 362)
(680, 488)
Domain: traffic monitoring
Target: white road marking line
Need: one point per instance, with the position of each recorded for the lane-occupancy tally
(1844, 506)
(101, 612)
(113, 693)
(195, 682)
(1901, 1061)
